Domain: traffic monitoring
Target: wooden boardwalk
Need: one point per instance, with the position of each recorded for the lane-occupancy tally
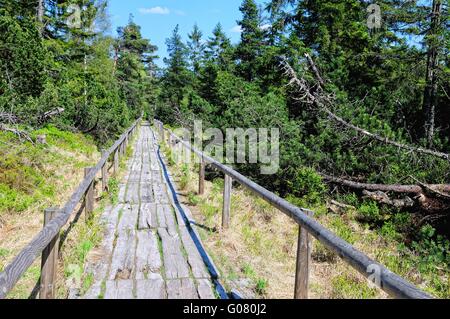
(147, 251)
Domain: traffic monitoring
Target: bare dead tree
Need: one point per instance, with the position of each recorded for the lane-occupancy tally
(315, 95)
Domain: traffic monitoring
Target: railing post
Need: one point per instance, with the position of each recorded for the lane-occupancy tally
(226, 202)
(49, 261)
(201, 177)
(89, 197)
(104, 173)
(303, 263)
(116, 162)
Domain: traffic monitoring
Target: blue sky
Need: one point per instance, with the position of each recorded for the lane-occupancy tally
(158, 18)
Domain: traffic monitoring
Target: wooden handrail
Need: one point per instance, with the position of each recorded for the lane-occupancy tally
(15, 270)
(388, 281)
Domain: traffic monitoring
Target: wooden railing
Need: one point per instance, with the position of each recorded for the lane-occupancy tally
(391, 283)
(46, 241)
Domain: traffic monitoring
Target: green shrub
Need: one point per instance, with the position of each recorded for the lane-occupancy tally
(369, 212)
(308, 185)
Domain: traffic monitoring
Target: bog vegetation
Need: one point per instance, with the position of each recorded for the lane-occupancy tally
(363, 112)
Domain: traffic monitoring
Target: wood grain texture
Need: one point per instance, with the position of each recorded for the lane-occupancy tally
(302, 272)
(226, 202)
(49, 261)
(148, 258)
(195, 260)
(175, 264)
(181, 289)
(147, 216)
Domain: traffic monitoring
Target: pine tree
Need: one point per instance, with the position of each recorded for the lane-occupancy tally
(249, 50)
(196, 49)
(134, 66)
(176, 78)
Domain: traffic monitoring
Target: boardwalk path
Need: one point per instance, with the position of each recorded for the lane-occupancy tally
(147, 251)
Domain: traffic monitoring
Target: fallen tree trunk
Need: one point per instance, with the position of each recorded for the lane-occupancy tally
(429, 198)
(401, 189)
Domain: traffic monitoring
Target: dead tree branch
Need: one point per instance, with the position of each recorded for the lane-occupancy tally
(320, 100)
(22, 135)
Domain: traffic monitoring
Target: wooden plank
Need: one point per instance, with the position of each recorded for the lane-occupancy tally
(132, 196)
(89, 197)
(160, 193)
(181, 289)
(148, 258)
(146, 176)
(303, 263)
(166, 219)
(156, 176)
(129, 217)
(226, 202)
(205, 289)
(94, 292)
(120, 289)
(194, 258)
(116, 162)
(135, 177)
(146, 193)
(122, 262)
(175, 265)
(122, 192)
(147, 216)
(49, 261)
(150, 289)
(105, 173)
(201, 177)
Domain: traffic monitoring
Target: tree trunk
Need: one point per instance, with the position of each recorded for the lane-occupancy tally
(40, 15)
(429, 104)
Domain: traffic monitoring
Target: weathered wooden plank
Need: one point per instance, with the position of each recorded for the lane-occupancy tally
(147, 216)
(303, 263)
(49, 261)
(160, 193)
(226, 202)
(135, 177)
(201, 177)
(120, 289)
(166, 219)
(148, 258)
(129, 217)
(194, 259)
(132, 196)
(205, 290)
(94, 292)
(122, 262)
(146, 176)
(89, 199)
(156, 176)
(150, 289)
(146, 193)
(175, 264)
(122, 192)
(181, 289)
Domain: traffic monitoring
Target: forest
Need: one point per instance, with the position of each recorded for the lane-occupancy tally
(363, 108)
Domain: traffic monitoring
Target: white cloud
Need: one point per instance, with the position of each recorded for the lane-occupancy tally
(154, 10)
(265, 26)
(236, 29)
